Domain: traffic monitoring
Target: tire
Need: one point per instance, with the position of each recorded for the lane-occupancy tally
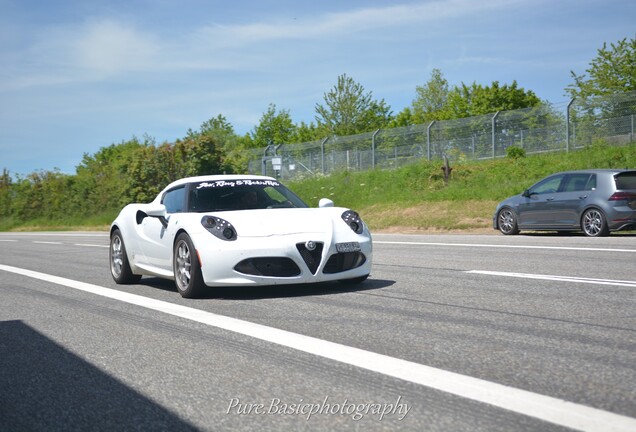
(594, 223)
(187, 269)
(119, 266)
(507, 221)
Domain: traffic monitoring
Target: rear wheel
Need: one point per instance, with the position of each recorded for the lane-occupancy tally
(594, 223)
(187, 269)
(119, 265)
(507, 221)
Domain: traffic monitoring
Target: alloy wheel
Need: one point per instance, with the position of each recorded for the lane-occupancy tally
(507, 221)
(184, 264)
(593, 223)
(116, 256)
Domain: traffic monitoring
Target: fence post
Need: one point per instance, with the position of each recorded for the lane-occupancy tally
(264, 159)
(373, 149)
(567, 125)
(322, 153)
(494, 122)
(428, 140)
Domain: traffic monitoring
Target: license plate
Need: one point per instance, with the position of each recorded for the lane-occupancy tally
(348, 247)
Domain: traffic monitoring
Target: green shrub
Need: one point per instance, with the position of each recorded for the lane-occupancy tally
(514, 152)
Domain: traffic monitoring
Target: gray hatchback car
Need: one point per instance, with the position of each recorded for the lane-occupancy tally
(593, 201)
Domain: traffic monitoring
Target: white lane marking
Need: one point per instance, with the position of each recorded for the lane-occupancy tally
(557, 278)
(53, 234)
(478, 245)
(553, 410)
(59, 243)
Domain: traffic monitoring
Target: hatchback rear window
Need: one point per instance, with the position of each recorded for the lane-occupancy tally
(626, 180)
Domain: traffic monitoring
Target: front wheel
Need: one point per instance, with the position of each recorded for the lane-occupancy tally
(119, 265)
(187, 269)
(507, 221)
(594, 223)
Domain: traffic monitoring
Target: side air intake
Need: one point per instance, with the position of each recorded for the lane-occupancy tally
(344, 261)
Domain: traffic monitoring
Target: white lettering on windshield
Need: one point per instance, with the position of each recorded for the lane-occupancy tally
(233, 183)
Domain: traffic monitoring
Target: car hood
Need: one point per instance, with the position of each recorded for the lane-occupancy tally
(511, 201)
(272, 222)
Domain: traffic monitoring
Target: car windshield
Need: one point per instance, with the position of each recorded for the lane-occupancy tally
(248, 194)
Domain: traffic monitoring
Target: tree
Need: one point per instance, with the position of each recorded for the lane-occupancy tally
(42, 194)
(403, 118)
(229, 149)
(197, 154)
(5, 193)
(348, 110)
(306, 133)
(431, 98)
(153, 167)
(209, 150)
(273, 128)
(218, 126)
(377, 116)
(612, 71)
(475, 100)
(100, 178)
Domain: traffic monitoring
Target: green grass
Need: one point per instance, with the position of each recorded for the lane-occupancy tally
(414, 198)
(98, 222)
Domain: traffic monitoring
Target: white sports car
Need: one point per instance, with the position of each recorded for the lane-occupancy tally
(237, 230)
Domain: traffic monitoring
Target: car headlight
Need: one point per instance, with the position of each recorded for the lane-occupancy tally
(219, 227)
(352, 219)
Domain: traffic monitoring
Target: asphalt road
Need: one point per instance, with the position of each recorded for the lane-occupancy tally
(450, 333)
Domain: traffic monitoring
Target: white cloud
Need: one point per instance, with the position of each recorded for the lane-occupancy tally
(91, 51)
(334, 25)
(99, 49)
(109, 47)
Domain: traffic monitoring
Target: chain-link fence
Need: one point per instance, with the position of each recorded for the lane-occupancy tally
(544, 128)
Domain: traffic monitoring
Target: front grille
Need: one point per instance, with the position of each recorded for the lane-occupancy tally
(268, 266)
(344, 261)
(311, 257)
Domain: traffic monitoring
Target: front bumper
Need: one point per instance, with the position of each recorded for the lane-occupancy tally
(283, 260)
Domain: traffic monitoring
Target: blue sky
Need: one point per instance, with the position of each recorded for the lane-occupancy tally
(78, 75)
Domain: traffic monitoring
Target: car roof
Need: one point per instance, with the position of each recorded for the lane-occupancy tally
(595, 171)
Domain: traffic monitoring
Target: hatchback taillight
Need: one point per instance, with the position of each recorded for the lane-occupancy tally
(622, 196)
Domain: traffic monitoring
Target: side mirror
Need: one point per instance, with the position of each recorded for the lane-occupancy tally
(158, 211)
(526, 193)
(325, 202)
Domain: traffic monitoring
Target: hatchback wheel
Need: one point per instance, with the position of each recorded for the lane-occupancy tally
(594, 223)
(507, 221)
